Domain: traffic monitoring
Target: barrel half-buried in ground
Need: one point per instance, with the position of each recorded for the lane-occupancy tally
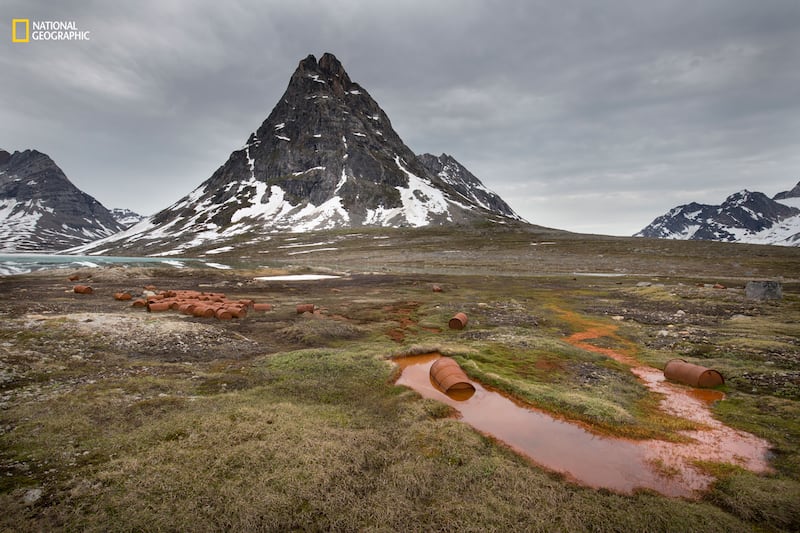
(448, 376)
(692, 375)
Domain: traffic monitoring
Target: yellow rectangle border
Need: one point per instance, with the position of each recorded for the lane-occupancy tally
(14, 37)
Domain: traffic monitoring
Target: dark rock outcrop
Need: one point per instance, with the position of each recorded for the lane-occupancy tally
(786, 195)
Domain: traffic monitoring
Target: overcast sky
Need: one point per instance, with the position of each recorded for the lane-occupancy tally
(592, 116)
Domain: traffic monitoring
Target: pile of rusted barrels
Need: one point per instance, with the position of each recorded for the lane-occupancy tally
(196, 303)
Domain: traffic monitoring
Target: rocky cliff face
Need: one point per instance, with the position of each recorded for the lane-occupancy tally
(465, 184)
(746, 216)
(326, 157)
(41, 210)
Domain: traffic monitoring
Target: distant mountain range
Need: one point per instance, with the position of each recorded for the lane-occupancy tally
(747, 217)
(326, 157)
(41, 210)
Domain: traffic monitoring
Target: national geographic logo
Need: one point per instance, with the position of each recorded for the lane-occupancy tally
(26, 30)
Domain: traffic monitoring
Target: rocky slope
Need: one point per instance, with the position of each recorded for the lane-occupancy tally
(326, 157)
(748, 217)
(42, 211)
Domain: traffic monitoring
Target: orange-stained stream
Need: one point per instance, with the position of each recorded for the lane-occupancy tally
(601, 461)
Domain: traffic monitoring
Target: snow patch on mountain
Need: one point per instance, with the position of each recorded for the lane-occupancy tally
(744, 217)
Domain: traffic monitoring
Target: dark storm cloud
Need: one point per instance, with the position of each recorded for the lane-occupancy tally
(593, 116)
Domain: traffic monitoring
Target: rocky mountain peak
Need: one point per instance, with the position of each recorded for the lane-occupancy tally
(41, 210)
(745, 216)
(785, 195)
(328, 70)
(327, 156)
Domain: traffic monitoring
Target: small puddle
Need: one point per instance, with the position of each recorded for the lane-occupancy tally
(600, 461)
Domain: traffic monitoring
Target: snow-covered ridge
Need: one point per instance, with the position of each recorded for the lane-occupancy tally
(744, 217)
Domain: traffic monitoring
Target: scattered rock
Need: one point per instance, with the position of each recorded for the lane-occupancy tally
(644, 284)
(32, 496)
(763, 290)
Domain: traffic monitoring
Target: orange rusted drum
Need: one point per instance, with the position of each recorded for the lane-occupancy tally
(122, 296)
(158, 306)
(436, 288)
(82, 289)
(141, 302)
(459, 321)
(448, 376)
(224, 314)
(237, 312)
(692, 375)
(203, 311)
(305, 308)
(262, 307)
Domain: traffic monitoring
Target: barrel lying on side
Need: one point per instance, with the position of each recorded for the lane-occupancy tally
(691, 374)
(459, 321)
(448, 376)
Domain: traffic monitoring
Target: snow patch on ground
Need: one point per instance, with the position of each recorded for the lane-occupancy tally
(296, 277)
(218, 266)
(300, 252)
(219, 250)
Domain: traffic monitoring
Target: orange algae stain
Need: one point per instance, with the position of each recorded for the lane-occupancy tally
(555, 444)
(597, 460)
(714, 442)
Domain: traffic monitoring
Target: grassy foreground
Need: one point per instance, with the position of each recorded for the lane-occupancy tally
(115, 420)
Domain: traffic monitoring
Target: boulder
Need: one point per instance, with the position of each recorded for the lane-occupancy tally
(763, 290)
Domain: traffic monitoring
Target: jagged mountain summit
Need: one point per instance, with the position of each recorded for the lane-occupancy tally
(790, 198)
(126, 217)
(747, 217)
(326, 157)
(42, 211)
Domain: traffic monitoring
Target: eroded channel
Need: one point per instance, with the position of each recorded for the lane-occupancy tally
(600, 461)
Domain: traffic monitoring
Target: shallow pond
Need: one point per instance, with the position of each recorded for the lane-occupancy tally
(595, 460)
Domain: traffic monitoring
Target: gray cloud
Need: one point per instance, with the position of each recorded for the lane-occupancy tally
(591, 116)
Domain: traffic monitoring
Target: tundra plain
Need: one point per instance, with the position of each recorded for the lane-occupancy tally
(116, 419)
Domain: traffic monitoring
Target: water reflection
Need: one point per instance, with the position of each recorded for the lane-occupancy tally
(594, 460)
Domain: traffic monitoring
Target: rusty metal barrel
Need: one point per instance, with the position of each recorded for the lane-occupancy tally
(459, 321)
(448, 376)
(305, 308)
(82, 289)
(691, 374)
